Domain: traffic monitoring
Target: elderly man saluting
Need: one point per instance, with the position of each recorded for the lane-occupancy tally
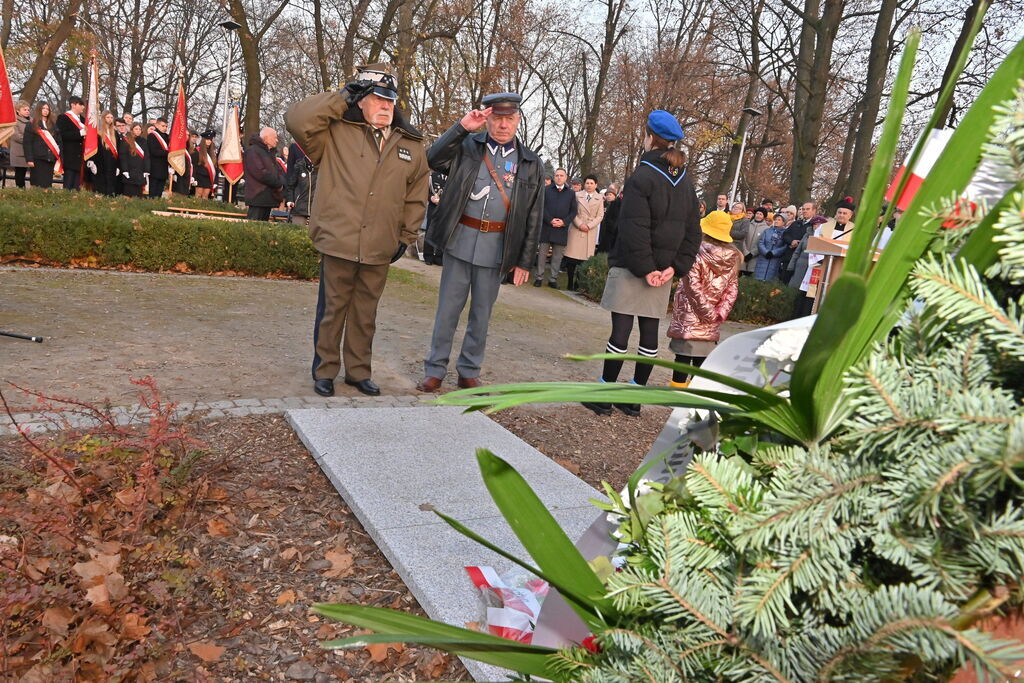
(371, 194)
(486, 225)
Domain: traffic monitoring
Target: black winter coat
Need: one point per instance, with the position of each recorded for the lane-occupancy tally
(610, 226)
(264, 179)
(135, 165)
(659, 223)
(300, 181)
(36, 148)
(795, 231)
(459, 155)
(157, 156)
(71, 141)
(558, 204)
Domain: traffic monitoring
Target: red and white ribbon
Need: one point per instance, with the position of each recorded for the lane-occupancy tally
(160, 139)
(512, 612)
(47, 137)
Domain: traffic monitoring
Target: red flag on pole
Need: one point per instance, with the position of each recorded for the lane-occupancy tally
(92, 114)
(7, 113)
(179, 134)
(230, 159)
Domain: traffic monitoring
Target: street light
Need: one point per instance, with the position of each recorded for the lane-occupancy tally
(229, 26)
(753, 113)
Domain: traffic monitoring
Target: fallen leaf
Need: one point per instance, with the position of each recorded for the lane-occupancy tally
(57, 619)
(218, 527)
(288, 553)
(133, 626)
(379, 651)
(286, 598)
(568, 464)
(340, 561)
(208, 652)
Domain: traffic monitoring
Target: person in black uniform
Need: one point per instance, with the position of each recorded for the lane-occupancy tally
(41, 149)
(659, 236)
(71, 135)
(132, 162)
(105, 161)
(157, 144)
(204, 164)
(299, 185)
(183, 183)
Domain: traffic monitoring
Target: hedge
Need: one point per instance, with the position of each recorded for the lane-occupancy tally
(759, 302)
(65, 227)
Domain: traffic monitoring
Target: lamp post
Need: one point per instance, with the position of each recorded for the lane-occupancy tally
(753, 113)
(229, 26)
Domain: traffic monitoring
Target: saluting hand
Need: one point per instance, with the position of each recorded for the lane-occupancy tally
(475, 119)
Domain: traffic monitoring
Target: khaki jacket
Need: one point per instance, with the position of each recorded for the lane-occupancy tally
(581, 245)
(366, 202)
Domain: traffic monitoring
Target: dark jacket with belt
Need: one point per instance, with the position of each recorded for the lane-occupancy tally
(264, 179)
(659, 223)
(558, 204)
(460, 154)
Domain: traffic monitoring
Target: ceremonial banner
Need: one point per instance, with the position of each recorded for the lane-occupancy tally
(92, 115)
(230, 158)
(933, 147)
(179, 134)
(7, 113)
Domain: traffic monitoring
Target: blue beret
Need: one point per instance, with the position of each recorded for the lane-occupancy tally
(664, 125)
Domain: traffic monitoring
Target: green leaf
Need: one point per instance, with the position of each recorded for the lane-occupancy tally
(467, 643)
(813, 399)
(859, 255)
(542, 536)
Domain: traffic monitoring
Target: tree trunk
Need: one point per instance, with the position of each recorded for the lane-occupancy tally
(49, 51)
(348, 50)
(384, 29)
(405, 51)
(251, 65)
(814, 62)
(867, 108)
(839, 187)
(613, 32)
(5, 25)
(318, 35)
(961, 40)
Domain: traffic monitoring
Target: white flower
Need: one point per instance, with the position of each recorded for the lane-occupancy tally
(785, 345)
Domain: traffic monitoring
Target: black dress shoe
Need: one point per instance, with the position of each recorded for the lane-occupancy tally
(631, 409)
(553, 284)
(537, 283)
(365, 386)
(599, 408)
(324, 387)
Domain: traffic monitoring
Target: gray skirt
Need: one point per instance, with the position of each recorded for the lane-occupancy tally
(692, 347)
(629, 294)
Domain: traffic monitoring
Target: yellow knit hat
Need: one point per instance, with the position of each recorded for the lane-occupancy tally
(717, 225)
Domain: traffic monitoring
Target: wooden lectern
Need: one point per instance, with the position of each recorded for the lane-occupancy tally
(831, 266)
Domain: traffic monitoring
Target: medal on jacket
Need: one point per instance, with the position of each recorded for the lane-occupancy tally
(508, 178)
(404, 154)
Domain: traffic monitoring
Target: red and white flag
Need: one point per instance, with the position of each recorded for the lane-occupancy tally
(230, 158)
(179, 134)
(933, 147)
(92, 114)
(8, 117)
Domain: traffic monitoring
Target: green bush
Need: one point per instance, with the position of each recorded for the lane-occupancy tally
(591, 276)
(763, 302)
(64, 227)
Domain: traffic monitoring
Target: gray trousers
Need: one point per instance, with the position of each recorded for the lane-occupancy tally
(556, 259)
(459, 281)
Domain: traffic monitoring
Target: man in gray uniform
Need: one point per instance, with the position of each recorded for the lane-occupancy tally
(486, 225)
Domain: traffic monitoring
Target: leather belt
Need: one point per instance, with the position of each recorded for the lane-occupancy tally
(482, 225)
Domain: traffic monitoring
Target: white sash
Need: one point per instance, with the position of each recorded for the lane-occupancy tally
(54, 148)
(138, 148)
(160, 139)
(209, 168)
(111, 145)
(75, 119)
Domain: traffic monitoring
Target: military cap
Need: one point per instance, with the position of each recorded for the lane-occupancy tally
(378, 79)
(503, 103)
(208, 134)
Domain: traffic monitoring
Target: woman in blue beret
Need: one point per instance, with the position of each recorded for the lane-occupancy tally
(658, 239)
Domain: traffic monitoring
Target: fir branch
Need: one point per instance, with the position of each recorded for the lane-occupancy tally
(650, 645)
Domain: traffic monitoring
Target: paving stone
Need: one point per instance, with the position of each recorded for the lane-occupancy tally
(221, 405)
(296, 402)
(275, 402)
(214, 412)
(394, 466)
(237, 412)
(247, 402)
(263, 410)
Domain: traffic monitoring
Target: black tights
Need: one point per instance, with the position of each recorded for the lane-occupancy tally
(570, 270)
(679, 376)
(622, 327)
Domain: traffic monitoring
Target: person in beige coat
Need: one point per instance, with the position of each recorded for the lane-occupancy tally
(372, 188)
(582, 240)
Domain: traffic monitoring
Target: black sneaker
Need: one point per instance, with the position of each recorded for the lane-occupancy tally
(553, 284)
(537, 283)
(598, 408)
(631, 409)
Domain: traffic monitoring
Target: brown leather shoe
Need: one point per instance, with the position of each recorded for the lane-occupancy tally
(429, 385)
(469, 382)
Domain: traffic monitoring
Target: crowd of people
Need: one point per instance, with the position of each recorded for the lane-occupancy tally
(478, 203)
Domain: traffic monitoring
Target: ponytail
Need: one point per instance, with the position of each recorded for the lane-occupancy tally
(672, 154)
